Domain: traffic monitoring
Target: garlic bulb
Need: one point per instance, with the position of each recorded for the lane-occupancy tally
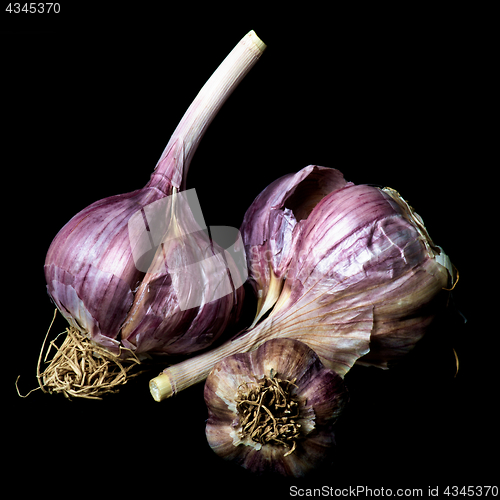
(362, 280)
(90, 268)
(117, 270)
(272, 410)
(363, 249)
(341, 243)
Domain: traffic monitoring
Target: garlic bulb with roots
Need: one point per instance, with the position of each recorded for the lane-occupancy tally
(273, 409)
(113, 270)
(356, 276)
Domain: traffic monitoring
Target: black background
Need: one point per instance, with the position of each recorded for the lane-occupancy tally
(391, 98)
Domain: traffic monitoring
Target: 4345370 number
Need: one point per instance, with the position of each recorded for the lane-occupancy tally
(471, 491)
(33, 8)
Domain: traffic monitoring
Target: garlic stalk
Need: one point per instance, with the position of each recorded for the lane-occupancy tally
(363, 282)
(272, 410)
(173, 165)
(92, 268)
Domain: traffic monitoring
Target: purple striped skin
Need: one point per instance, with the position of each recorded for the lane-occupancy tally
(268, 228)
(361, 280)
(93, 280)
(268, 224)
(322, 392)
(156, 323)
(89, 268)
(361, 251)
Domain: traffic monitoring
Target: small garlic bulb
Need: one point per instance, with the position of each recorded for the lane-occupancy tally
(272, 409)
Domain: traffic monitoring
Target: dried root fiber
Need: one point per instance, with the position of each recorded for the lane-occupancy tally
(79, 368)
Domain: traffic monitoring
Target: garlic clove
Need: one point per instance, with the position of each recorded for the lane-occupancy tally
(187, 298)
(270, 231)
(268, 291)
(273, 409)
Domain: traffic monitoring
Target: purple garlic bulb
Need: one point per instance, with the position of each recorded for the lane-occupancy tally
(114, 269)
(273, 409)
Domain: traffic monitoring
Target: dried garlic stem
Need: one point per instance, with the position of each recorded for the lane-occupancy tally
(186, 137)
(194, 370)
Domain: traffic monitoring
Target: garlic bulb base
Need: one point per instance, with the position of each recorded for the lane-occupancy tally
(268, 412)
(161, 387)
(273, 409)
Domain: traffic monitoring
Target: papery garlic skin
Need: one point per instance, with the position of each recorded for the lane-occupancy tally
(93, 288)
(360, 250)
(90, 269)
(269, 227)
(191, 292)
(321, 392)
